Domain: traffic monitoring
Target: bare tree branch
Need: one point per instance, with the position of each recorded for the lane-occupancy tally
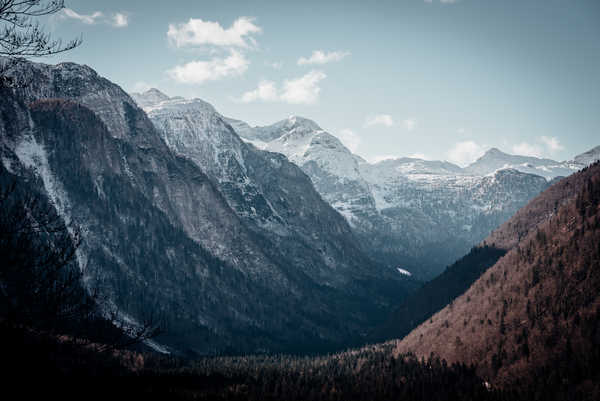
(22, 36)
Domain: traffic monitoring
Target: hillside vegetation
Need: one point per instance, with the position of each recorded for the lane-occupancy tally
(535, 315)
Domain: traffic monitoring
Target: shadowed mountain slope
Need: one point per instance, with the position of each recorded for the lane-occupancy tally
(161, 236)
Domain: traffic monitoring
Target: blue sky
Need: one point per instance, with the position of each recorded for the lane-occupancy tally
(444, 79)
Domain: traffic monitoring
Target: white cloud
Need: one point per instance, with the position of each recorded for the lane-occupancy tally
(379, 119)
(527, 149)
(266, 91)
(409, 124)
(320, 57)
(350, 139)
(198, 72)
(552, 143)
(545, 146)
(120, 20)
(276, 65)
(419, 156)
(86, 19)
(380, 158)
(464, 153)
(448, 1)
(197, 32)
(304, 89)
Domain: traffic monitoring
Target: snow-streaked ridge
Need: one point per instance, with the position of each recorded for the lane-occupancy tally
(33, 156)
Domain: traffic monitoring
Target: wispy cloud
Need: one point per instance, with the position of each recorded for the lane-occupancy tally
(266, 92)
(409, 124)
(379, 119)
(197, 32)
(141, 86)
(464, 153)
(89, 19)
(304, 89)
(527, 149)
(276, 65)
(301, 90)
(320, 57)
(380, 158)
(198, 72)
(350, 139)
(117, 20)
(544, 146)
(120, 20)
(552, 144)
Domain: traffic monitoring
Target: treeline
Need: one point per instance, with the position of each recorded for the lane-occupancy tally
(372, 373)
(368, 374)
(48, 314)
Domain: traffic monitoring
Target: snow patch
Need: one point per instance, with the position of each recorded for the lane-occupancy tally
(128, 324)
(33, 156)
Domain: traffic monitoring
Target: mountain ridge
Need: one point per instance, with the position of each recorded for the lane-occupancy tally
(160, 234)
(390, 204)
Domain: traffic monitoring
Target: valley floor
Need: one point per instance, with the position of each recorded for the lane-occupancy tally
(74, 371)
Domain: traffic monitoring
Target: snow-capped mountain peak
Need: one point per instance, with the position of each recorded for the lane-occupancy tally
(408, 206)
(494, 159)
(409, 165)
(148, 98)
(300, 123)
(588, 157)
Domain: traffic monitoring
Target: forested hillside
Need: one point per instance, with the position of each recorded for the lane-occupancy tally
(534, 317)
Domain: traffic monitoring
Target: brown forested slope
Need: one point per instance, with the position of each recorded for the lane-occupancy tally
(458, 277)
(538, 308)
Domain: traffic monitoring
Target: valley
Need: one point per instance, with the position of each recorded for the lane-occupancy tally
(312, 201)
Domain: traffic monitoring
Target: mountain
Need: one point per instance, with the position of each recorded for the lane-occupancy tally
(534, 315)
(150, 97)
(495, 159)
(408, 213)
(274, 197)
(332, 167)
(458, 277)
(587, 158)
(217, 249)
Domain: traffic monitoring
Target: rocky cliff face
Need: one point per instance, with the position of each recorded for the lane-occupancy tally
(231, 245)
(271, 195)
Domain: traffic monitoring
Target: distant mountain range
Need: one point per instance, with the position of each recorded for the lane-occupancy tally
(495, 159)
(413, 214)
